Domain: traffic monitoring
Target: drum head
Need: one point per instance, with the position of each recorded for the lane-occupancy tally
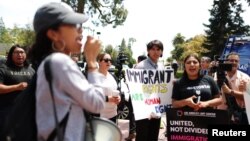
(105, 130)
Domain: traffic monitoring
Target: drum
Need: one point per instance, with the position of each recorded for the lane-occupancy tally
(103, 130)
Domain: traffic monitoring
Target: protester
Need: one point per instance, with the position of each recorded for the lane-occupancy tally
(148, 129)
(58, 33)
(131, 116)
(205, 65)
(3, 59)
(194, 90)
(15, 74)
(109, 83)
(175, 66)
(235, 88)
(140, 58)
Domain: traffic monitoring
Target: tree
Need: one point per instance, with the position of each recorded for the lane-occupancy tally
(126, 50)
(108, 12)
(5, 36)
(225, 20)
(131, 41)
(178, 42)
(1, 23)
(113, 53)
(21, 36)
(194, 44)
(248, 2)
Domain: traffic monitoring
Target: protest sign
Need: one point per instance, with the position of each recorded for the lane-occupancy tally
(150, 91)
(188, 125)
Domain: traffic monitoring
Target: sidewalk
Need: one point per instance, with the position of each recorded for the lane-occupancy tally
(124, 126)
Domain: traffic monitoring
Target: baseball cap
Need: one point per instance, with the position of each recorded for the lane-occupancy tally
(55, 13)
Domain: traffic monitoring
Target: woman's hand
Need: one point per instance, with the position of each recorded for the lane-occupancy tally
(190, 102)
(21, 86)
(203, 104)
(91, 50)
(115, 99)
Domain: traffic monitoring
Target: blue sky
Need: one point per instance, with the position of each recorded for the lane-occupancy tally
(147, 20)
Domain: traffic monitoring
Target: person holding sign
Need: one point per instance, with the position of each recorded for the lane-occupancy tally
(194, 90)
(148, 129)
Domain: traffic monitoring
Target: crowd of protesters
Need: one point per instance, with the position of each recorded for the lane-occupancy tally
(59, 33)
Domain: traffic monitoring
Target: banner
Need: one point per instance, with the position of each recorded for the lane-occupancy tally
(150, 91)
(189, 125)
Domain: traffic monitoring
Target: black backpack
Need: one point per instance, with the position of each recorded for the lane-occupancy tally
(20, 124)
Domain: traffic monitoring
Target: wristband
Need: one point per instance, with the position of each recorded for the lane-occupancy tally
(107, 98)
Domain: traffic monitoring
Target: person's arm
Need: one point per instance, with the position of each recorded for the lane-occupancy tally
(11, 88)
(91, 50)
(235, 93)
(177, 100)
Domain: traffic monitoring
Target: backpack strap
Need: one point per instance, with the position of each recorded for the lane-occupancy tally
(60, 127)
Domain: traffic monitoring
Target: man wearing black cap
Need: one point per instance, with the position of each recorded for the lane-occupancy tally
(148, 129)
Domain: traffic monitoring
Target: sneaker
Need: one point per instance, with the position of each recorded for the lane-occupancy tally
(130, 137)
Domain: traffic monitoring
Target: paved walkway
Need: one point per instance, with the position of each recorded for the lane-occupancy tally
(124, 126)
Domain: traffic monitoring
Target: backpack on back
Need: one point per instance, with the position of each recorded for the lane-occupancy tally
(20, 124)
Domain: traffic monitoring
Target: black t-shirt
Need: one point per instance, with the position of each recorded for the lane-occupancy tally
(11, 76)
(204, 86)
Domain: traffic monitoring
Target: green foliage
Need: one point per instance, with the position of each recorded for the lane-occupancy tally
(178, 42)
(179, 73)
(194, 44)
(21, 36)
(104, 12)
(123, 48)
(225, 20)
(113, 53)
(182, 47)
(5, 36)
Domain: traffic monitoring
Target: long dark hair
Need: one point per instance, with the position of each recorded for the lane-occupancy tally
(195, 55)
(10, 62)
(42, 47)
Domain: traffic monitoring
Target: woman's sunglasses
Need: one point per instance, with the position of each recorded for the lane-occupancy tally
(106, 60)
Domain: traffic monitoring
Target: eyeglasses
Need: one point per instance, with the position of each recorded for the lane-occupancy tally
(233, 60)
(18, 52)
(106, 60)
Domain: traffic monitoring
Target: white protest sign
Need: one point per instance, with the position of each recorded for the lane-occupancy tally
(150, 91)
